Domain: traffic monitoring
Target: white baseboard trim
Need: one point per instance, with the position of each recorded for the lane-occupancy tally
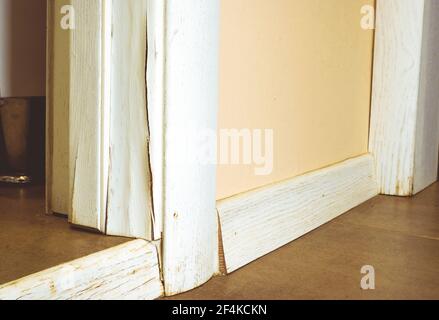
(261, 221)
(129, 271)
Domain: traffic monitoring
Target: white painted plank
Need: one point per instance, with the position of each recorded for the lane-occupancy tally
(126, 272)
(258, 222)
(85, 116)
(129, 209)
(190, 235)
(404, 120)
(427, 125)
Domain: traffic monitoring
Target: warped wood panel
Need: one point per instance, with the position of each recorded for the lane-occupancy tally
(129, 186)
(110, 170)
(190, 103)
(258, 222)
(126, 272)
(404, 135)
(85, 104)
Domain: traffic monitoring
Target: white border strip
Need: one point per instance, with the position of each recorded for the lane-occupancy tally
(126, 272)
(256, 223)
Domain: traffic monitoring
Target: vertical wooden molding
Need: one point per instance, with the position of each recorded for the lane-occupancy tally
(85, 106)
(155, 101)
(427, 125)
(57, 110)
(404, 134)
(129, 211)
(183, 38)
(105, 113)
(49, 106)
(110, 176)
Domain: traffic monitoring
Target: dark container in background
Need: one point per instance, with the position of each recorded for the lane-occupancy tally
(22, 140)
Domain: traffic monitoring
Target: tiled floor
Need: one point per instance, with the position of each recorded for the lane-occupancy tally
(399, 237)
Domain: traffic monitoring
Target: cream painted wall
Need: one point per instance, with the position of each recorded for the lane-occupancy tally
(302, 68)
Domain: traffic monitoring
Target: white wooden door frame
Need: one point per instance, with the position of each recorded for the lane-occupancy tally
(404, 131)
(110, 172)
(108, 131)
(182, 101)
(87, 106)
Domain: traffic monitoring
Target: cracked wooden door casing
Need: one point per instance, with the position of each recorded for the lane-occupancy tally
(141, 71)
(109, 174)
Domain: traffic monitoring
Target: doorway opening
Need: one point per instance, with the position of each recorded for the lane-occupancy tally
(30, 239)
(22, 91)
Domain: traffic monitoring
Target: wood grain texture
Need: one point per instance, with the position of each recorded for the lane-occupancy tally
(190, 234)
(110, 170)
(130, 211)
(85, 107)
(126, 272)
(404, 120)
(256, 223)
(57, 111)
(427, 125)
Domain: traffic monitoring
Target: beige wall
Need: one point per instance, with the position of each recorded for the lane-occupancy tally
(302, 68)
(22, 48)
